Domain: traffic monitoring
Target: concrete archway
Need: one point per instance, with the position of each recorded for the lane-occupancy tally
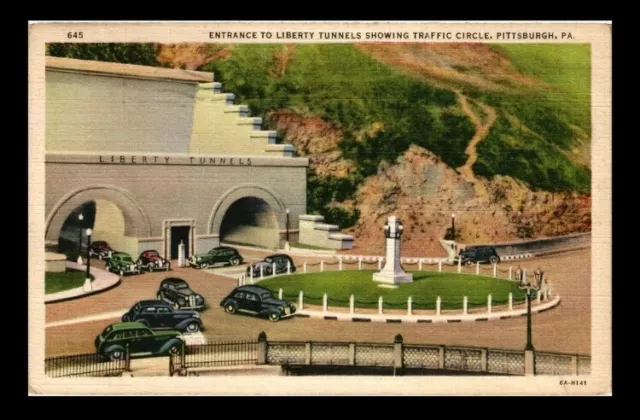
(250, 214)
(136, 223)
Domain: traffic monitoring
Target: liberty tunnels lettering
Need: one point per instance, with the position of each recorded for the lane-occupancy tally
(165, 160)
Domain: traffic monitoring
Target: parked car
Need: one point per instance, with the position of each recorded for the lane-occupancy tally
(141, 339)
(179, 295)
(220, 255)
(257, 300)
(481, 254)
(151, 260)
(122, 264)
(158, 314)
(281, 261)
(101, 249)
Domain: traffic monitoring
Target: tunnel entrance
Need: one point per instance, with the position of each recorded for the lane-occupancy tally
(107, 222)
(250, 221)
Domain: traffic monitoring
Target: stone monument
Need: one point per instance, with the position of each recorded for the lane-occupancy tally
(392, 272)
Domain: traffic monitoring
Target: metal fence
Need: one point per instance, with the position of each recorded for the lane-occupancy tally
(396, 355)
(422, 356)
(230, 353)
(91, 364)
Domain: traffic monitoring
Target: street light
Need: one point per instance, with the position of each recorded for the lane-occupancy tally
(80, 218)
(453, 227)
(287, 211)
(89, 231)
(528, 288)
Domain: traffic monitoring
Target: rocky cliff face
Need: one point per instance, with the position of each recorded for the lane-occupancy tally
(424, 192)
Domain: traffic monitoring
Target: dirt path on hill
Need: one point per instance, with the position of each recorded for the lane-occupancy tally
(482, 129)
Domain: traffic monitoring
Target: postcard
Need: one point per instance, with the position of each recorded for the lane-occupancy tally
(320, 208)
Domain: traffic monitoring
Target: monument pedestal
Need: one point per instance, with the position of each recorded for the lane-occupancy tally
(392, 272)
(392, 278)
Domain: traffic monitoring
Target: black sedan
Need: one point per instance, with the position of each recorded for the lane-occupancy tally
(158, 314)
(257, 300)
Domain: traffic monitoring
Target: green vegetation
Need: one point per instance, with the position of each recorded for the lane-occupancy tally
(58, 282)
(530, 158)
(424, 290)
(566, 67)
(142, 54)
(535, 129)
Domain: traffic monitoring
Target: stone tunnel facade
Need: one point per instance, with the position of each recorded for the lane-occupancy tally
(178, 159)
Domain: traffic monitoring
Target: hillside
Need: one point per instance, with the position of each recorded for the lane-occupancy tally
(498, 134)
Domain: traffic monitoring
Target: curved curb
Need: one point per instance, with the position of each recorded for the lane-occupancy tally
(108, 282)
(409, 319)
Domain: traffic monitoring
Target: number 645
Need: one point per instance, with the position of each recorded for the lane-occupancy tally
(71, 35)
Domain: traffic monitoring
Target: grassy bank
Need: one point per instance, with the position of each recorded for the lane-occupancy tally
(426, 287)
(58, 282)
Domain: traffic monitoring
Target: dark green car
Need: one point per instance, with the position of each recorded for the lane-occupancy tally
(122, 264)
(142, 341)
(221, 255)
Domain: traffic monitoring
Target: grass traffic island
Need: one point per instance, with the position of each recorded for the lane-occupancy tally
(59, 282)
(426, 287)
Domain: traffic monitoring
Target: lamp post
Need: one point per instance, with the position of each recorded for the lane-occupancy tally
(80, 218)
(287, 224)
(528, 288)
(453, 226)
(89, 231)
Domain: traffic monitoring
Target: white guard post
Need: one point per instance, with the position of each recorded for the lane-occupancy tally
(181, 255)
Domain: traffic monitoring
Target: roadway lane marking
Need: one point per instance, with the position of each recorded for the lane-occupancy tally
(90, 318)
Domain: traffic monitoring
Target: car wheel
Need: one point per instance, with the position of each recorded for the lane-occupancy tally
(274, 316)
(493, 260)
(235, 261)
(267, 271)
(468, 262)
(230, 308)
(116, 355)
(150, 267)
(204, 266)
(125, 318)
(174, 349)
(193, 327)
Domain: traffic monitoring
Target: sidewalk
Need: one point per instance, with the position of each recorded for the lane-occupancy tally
(103, 280)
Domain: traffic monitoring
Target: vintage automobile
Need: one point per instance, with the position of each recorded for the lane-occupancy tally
(281, 261)
(220, 255)
(158, 314)
(101, 249)
(141, 340)
(151, 260)
(122, 264)
(179, 295)
(257, 300)
(481, 254)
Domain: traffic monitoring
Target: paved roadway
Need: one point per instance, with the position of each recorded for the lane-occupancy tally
(563, 329)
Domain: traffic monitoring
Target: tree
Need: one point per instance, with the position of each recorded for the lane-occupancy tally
(142, 54)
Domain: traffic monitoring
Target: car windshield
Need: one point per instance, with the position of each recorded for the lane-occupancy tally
(182, 286)
(269, 260)
(152, 253)
(265, 295)
(126, 259)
